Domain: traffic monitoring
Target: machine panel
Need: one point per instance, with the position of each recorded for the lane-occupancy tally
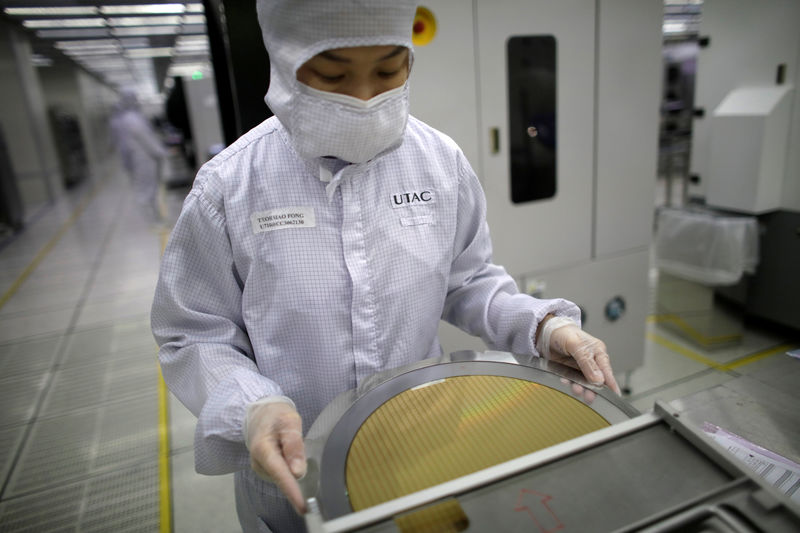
(532, 117)
(585, 135)
(443, 77)
(628, 88)
(537, 235)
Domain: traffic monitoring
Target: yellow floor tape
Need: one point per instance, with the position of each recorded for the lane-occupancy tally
(164, 471)
(722, 367)
(48, 247)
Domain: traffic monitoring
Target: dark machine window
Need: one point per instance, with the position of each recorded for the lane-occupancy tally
(532, 117)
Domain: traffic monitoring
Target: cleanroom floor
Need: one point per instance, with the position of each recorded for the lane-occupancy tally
(90, 440)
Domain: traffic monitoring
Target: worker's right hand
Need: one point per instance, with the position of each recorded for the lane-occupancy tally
(274, 437)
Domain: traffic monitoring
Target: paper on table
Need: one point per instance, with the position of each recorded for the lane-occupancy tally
(775, 469)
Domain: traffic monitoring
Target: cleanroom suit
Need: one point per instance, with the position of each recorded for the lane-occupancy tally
(302, 276)
(140, 149)
(269, 286)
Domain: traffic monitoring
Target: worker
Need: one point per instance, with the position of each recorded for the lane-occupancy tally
(141, 151)
(324, 246)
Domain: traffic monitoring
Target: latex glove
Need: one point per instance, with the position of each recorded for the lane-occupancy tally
(579, 391)
(273, 433)
(562, 341)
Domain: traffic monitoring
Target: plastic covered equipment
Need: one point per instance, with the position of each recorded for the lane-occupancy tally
(705, 246)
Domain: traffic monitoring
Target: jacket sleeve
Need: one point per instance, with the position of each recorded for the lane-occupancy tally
(482, 298)
(204, 350)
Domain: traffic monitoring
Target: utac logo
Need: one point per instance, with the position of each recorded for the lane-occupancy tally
(411, 198)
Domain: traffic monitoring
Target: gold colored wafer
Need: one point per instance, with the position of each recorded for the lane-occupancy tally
(453, 427)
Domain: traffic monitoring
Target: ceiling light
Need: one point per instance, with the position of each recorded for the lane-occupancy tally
(192, 39)
(149, 52)
(49, 11)
(195, 8)
(65, 23)
(674, 27)
(191, 51)
(194, 19)
(72, 34)
(151, 9)
(105, 62)
(193, 44)
(92, 53)
(145, 21)
(180, 70)
(104, 66)
(86, 43)
(144, 30)
(41, 61)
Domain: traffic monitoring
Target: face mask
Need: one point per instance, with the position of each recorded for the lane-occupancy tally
(323, 123)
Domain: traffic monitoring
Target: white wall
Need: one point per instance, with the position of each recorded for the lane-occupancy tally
(443, 91)
(97, 100)
(791, 186)
(24, 120)
(628, 98)
(203, 108)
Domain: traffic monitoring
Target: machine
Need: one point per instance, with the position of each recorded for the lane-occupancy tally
(745, 137)
(555, 105)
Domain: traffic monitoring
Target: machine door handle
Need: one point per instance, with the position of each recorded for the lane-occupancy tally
(494, 140)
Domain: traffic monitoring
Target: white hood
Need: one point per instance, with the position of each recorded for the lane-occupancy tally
(296, 30)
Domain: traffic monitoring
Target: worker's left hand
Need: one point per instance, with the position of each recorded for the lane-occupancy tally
(571, 346)
(274, 438)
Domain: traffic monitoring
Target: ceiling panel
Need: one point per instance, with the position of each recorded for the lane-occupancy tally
(138, 44)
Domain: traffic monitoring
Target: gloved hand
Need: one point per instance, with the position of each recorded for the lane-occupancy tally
(562, 341)
(273, 434)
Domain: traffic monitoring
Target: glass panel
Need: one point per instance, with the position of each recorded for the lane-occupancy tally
(532, 117)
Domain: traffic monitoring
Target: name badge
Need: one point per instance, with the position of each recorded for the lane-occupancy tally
(283, 218)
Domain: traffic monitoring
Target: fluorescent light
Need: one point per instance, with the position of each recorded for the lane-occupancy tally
(144, 30)
(49, 11)
(194, 44)
(41, 61)
(72, 34)
(195, 8)
(65, 23)
(194, 19)
(181, 70)
(192, 39)
(149, 52)
(113, 62)
(151, 9)
(191, 51)
(87, 44)
(173, 20)
(105, 67)
(92, 53)
(674, 27)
